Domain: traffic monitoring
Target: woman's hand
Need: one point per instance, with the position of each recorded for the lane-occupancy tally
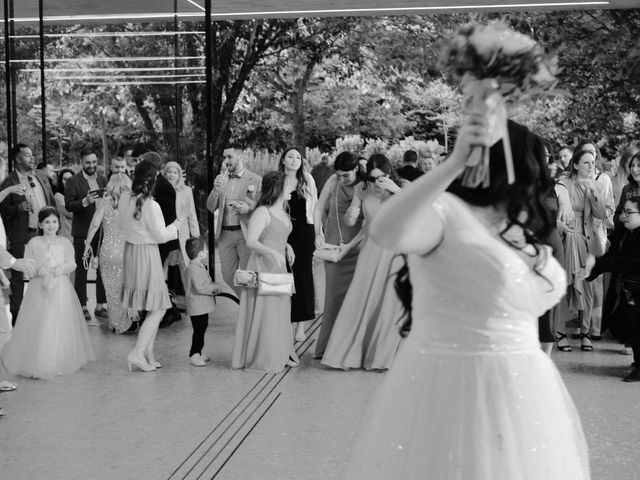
(589, 263)
(291, 257)
(473, 133)
(87, 251)
(566, 216)
(320, 241)
(388, 184)
(43, 271)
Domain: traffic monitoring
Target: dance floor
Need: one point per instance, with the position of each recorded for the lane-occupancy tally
(183, 422)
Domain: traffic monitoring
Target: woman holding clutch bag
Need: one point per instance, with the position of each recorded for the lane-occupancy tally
(264, 340)
(365, 333)
(331, 228)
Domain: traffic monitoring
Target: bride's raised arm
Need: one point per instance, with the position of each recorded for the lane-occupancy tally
(407, 222)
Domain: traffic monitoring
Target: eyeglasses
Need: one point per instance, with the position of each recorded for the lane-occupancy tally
(371, 179)
(31, 182)
(629, 212)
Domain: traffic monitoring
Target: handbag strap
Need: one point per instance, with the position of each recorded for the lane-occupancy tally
(337, 215)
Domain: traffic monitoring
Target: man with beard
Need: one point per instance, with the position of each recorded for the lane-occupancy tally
(80, 194)
(31, 191)
(235, 193)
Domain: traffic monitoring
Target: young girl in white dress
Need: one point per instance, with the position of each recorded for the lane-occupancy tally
(50, 336)
(471, 395)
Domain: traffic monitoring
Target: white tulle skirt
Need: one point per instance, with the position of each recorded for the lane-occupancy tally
(485, 416)
(50, 337)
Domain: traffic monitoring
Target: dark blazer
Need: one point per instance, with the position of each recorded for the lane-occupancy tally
(409, 172)
(16, 222)
(165, 195)
(76, 189)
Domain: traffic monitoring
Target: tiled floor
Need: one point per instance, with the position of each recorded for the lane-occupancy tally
(183, 422)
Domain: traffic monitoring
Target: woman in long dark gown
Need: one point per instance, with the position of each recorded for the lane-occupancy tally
(302, 237)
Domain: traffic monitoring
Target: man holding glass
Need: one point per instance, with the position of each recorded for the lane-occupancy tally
(30, 191)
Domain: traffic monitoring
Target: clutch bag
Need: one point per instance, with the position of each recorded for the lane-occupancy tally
(245, 278)
(330, 253)
(275, 284)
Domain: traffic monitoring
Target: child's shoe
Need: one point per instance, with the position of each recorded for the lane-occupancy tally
(196, 360)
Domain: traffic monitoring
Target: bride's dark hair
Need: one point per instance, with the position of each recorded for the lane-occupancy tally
(526, 195)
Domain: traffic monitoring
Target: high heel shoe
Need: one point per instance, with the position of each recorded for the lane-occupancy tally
(562, 343)
(140, 362)
(148, 355)
(585, 342)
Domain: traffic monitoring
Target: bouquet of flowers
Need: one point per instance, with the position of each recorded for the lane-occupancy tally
(493, 62)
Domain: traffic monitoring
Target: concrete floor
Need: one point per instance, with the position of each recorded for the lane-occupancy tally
(183, 422)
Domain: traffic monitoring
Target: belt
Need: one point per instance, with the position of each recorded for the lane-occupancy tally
(231, 228)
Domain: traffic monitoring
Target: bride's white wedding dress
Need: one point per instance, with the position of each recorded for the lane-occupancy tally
(471, 395)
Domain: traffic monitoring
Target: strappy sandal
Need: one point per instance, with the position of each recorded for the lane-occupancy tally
(585, 346)
(562, 342)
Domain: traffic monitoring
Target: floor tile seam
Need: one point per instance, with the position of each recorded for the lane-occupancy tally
(233, 439)
(206, 452)
(247, 400)
(245, 436)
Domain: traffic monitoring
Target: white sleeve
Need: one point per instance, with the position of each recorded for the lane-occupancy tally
(153, 220)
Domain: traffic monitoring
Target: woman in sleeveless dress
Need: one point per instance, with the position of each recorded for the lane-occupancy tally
(331, 228)
(264, 341)
(365, 333)
(471, 395)
(302, 203)
(111, 251)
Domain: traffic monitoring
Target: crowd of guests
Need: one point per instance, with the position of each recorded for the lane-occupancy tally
(131, 230)
(597, 210)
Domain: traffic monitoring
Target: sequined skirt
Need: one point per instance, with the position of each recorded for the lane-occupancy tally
(447, 415)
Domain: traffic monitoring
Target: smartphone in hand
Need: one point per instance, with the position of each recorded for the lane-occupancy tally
(98, 192)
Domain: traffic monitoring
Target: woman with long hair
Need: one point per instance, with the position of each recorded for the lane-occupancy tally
(143, 285)
(185, 208)
(331, 228)
(65, 215)
(111, 251)
(304, 198)
(471, 394)
(365, 333)
(629, 163)
(264, 340)
(592, 203)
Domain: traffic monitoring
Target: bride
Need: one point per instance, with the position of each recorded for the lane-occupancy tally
(471, 395)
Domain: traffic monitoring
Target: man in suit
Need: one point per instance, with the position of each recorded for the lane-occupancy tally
(20, 211)
(80, 194)
(235, 193)
(409, 170)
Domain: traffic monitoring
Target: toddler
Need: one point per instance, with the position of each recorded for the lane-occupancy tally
(199, 291)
